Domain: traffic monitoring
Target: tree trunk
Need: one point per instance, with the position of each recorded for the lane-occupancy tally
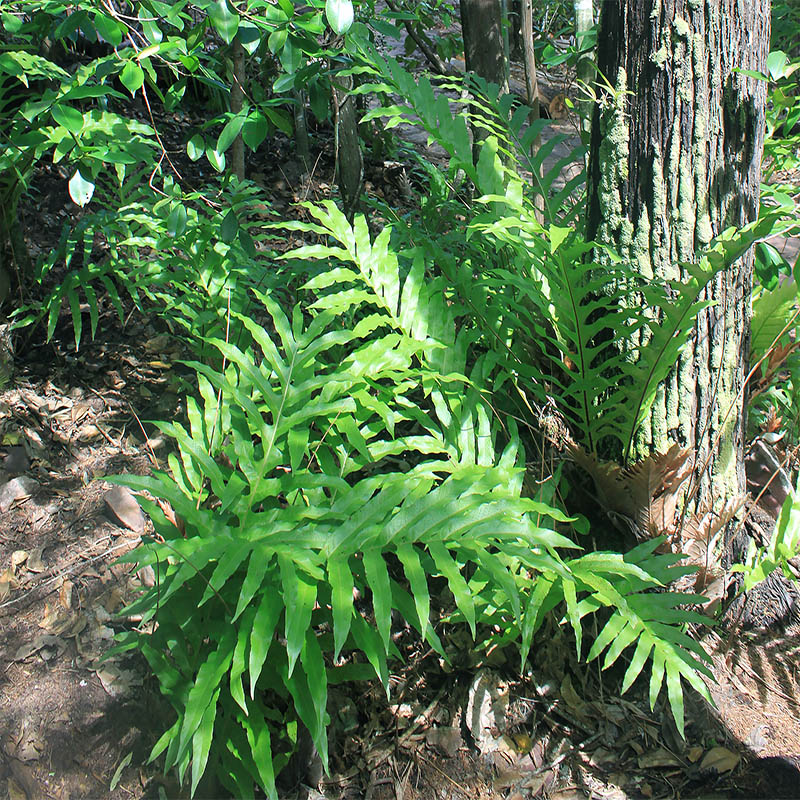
(483, 40)
(675, 159)
(584, 20)
(484, 53)
(349, 160)
(237, 103)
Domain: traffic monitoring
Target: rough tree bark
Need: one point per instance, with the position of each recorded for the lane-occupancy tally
(483, 39)
(675, 159)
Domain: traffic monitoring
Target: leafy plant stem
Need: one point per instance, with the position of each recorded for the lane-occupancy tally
(696, 487)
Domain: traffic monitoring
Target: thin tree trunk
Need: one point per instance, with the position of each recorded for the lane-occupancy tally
(237, 103)
(349, 161)
(529, 57)
(584, 20)
(673, 162)
(481, 27)
(301, 130)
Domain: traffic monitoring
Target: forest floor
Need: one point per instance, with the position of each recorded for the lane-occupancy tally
(74, 726)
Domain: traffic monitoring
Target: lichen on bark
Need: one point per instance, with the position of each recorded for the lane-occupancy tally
(694, 129)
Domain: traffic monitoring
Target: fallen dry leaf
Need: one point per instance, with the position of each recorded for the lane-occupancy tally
(694, 753)
(62, 622)
(16, 490)
(18, 557)
(123, 506)
(572, 698)
(35, 560)
(43, 640)
(720, 759)
(65, 593)
(658, 758)
(445, 739)
(8, 581)
(117, 681)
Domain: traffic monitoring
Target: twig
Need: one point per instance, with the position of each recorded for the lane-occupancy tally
(425, 46)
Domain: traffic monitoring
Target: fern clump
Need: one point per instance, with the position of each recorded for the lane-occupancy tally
(344, 452)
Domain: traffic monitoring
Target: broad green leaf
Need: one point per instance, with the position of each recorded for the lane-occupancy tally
(260, 561)
(68, 117)
(314, 666)
(776, 64)
(111, 30)
(80, 190)
(229, 227)
(238, 664)
(378, 579)
(201, 742)
(206, 687)
(264, 623)
(196, 147)
(132, 77)
(249, 35)
(339, 14)
(258, 737)
(176, 221)
(236, 554)
(254, 130)
(217, 160)
(640, 656)
(291, 56)
(151, 30)
(11, 23)
(225, 21)
(277, 39)
(230, 132)
(455, 581)
(418, 581)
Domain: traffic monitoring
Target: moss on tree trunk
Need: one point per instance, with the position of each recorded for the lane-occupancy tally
(675, 159)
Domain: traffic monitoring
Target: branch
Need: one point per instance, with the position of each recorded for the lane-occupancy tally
(425, 45)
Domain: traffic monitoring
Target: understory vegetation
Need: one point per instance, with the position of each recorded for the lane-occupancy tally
(390, 406)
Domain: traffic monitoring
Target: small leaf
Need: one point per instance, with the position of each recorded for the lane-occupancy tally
(776, 64)
(68, 117)
(340, 15)
(254, 130)
(118, 772)
(229, 133)
(196, 146)
(80, 190)
(249, 36)
(217, 160)
(229, 227)
(109, 29)
(132, 77)
(176, 221)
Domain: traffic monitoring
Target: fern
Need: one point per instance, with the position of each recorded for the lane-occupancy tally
(165, 252)
(299, 503)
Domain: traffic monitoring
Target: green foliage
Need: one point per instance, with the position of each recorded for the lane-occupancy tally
(782, 548)
(561, 306)
(171, 252)
(288, 488)
(346, 453)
